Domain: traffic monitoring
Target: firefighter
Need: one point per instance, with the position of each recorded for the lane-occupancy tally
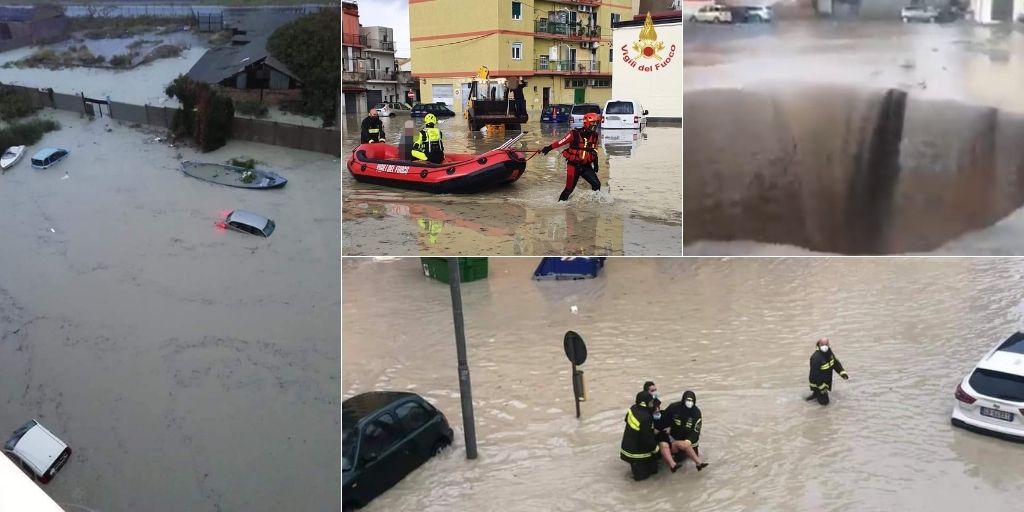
(685, 430)
(639, 445)
(372, 129)
(581, 157)
(427, 145)
(823, 362)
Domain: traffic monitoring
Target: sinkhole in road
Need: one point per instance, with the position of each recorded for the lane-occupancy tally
(846, 169)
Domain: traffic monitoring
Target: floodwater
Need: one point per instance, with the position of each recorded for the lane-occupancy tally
(868, 138)
(636, 212)
(172, 356)
(736, 331)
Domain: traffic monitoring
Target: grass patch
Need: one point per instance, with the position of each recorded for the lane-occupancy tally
(123, 27)
(251, 109)
(26, 133)
(123, 60)
(15, 104)
(164, 51)
(219, 38)
(139, 43)
(247, 163)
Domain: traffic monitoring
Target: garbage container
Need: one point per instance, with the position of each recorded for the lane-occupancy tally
(470, 269)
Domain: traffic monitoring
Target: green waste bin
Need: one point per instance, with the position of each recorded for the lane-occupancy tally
(470, 269)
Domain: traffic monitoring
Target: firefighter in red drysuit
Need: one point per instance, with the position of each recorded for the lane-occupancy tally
(581, 156)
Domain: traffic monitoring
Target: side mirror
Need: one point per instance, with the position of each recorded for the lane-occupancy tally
(645, 112)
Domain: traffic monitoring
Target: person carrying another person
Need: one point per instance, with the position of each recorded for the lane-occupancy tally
(372, 129)
(428, 145)
(823, 362)
(580, 157)
(685, 430)
(639, 444)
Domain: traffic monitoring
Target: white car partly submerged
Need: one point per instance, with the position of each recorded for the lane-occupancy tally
(990, 399)
(37, 450)
(11, 156)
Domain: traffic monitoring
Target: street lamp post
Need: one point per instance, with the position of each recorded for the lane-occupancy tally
(465, 389)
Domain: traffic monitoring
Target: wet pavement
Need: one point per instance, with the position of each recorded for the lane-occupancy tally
(739, 333)
(858, 137)
(636, 212)
(172, 356)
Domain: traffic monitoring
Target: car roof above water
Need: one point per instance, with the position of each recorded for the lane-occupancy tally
(249, 218)
(354, 409)
(45, 153)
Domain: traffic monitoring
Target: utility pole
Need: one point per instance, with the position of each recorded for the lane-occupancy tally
(465, 389)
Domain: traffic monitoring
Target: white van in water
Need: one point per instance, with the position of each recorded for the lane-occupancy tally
(624, 114)
(37, 450)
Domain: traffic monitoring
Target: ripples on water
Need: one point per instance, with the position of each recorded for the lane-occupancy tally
(739, 333)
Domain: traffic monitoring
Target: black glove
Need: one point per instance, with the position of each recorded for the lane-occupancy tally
(546, 150)
(844, 376)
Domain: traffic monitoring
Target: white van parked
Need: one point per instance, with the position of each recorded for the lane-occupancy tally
(624, 114)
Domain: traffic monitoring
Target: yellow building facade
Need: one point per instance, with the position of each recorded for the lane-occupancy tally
(562, 48)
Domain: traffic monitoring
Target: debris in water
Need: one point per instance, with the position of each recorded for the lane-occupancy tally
(53, 230)
(66, 176)
(574, 310)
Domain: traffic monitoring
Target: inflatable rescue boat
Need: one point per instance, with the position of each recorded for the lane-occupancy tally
(380, 164)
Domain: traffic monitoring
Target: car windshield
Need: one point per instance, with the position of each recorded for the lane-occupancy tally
(381, 105)
(619, 107)
(1004, 386)
(348, 449)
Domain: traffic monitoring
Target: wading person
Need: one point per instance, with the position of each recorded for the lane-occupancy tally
(639, 445)
(823, 363)
(685, 430)
(427, 145)
(371, 129)
(580, 157)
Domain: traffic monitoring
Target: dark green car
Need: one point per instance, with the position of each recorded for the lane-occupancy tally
(385, 436)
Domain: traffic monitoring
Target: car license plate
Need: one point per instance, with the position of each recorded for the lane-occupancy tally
(999, 415)
(612, 118)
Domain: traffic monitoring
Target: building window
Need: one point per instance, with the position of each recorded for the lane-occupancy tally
(611, 54)
(616, 17)
(517, 51)
(600, 82)
(575, 83)
(517, 10)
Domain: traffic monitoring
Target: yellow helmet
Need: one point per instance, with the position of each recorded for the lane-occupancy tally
(430, 119)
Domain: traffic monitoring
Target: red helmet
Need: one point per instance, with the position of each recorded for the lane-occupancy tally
(591, 119)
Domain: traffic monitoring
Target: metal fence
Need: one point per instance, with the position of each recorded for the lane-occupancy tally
(309, 138)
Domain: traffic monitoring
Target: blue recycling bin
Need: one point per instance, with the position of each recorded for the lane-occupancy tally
(568, 268)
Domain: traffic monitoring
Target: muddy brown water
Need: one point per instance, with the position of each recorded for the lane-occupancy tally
(638, 210)
(189, 368)
(857, 138)
(736, 331)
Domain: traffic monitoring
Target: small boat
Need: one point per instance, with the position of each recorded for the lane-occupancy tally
(233, 176)
(11, 156)
(379, 164)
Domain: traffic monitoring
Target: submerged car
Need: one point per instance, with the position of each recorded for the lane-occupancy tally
(712, 14)
(248, 222)
(756, 14)
(48, 157)
(990, 399)
(390, 109)
(929, 14)
(556, 113)
(624, 114)
(385, 436)
(38, 451)
(581, 109)
(438, 109)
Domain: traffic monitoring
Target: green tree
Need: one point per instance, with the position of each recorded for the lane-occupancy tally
(206, 114)
(309, 47)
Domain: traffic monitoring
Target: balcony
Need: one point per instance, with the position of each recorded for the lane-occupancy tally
(594, 3)
(380, 74)
(567, 67)
(566, 31)
(387, 46)
(353, 40)
(353, 77)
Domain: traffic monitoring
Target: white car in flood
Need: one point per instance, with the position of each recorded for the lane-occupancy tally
(991, 398)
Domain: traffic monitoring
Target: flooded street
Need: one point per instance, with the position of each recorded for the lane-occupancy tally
(738, 333)
(636, 212)
(869, 137)
(172, 356)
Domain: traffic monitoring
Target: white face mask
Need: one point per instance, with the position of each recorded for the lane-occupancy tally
(688, 404)
(657, 415)
(823, 348)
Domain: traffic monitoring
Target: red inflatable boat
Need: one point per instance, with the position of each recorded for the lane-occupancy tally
(380, 164)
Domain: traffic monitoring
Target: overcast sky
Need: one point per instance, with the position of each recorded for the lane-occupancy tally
(388, 13)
